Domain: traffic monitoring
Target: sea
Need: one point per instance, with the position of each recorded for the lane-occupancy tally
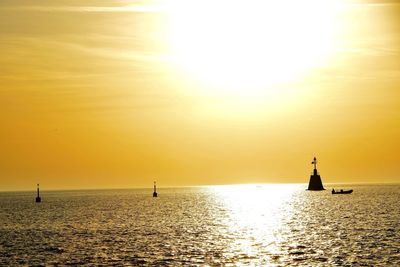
(232, 225)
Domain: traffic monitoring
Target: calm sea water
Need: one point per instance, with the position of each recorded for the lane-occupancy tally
(266, 225)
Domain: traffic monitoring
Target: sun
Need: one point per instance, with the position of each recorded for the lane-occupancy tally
(249, 47)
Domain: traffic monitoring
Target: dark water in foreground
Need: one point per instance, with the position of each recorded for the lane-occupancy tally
(268, 225)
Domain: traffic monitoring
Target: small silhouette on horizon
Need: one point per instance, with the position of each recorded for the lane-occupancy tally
(38, 199)
(155, 190)
(315, 183)
(341, 191)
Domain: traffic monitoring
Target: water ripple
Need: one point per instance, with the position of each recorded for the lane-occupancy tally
(217, 226)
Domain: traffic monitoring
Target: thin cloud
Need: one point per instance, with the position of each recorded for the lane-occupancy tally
(379, 2)
(94, 9)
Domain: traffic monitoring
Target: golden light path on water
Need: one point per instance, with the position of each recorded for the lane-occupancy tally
(257, 212)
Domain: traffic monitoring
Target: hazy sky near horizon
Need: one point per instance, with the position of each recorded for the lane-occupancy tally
(105, 93)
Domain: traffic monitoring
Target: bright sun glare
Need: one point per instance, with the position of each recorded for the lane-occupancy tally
(260, 209)
(247, 47)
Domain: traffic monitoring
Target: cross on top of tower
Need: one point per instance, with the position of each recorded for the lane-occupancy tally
(315, 163)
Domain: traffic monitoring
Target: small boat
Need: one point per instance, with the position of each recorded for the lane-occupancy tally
(341, 191)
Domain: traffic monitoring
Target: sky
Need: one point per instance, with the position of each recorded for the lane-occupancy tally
(115, 94)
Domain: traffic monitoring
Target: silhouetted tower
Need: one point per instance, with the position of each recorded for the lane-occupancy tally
(38, 199)
(155, 190)
(315, 183)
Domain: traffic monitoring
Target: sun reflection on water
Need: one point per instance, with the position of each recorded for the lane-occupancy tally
(256, 213)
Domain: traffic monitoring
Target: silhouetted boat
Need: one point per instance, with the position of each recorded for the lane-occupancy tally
(38, 199)
(315, 183)
(155, 190)
(341, 191)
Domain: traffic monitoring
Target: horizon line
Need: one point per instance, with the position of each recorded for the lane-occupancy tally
(191, 186)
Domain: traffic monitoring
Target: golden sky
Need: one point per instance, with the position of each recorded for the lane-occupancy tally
(112, 93)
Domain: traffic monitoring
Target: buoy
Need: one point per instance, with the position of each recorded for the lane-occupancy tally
(155, 190)
(315, 183)
(38, 199)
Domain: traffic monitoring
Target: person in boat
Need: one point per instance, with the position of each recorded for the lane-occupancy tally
(341, 190)
(333, 190)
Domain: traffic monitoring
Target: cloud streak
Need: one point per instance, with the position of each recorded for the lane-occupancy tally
(91, 9)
